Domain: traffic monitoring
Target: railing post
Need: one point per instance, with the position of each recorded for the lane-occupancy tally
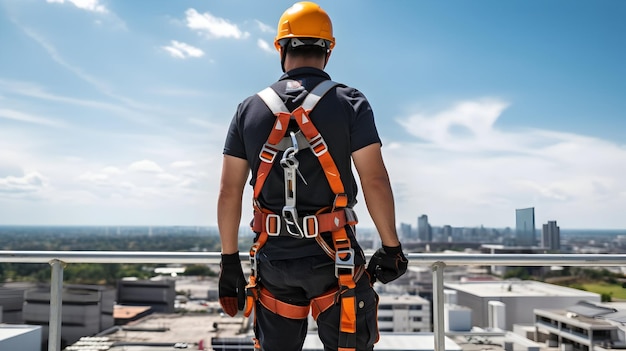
(438, 315)
(56, 302)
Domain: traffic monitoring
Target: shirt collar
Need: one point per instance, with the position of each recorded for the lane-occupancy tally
(304, 71)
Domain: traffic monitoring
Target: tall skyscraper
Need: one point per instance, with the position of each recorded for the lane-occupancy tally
(447, 233)
(551, 236)
(405, 232)
(525, 226)
(424, 231)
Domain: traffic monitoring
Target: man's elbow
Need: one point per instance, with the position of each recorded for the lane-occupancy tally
(377, 183)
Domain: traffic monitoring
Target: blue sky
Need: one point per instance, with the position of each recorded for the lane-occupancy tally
(114, 112)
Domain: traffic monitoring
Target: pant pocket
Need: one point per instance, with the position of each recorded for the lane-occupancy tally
(371, 316)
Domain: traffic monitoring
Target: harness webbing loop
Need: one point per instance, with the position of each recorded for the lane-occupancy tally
(268, 224)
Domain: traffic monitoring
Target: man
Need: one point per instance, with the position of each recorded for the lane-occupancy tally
(298, 138)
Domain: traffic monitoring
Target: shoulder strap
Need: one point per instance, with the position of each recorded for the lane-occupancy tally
(276, 104)
(314, 138)
(317, 93)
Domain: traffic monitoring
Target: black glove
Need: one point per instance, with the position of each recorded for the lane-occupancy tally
(232, 284)
(387, 264)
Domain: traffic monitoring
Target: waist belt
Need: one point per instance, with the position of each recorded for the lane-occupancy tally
(311, 225)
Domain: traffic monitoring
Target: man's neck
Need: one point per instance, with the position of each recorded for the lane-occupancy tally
(298, 62)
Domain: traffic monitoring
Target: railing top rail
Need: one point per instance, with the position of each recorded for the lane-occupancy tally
(415, 259)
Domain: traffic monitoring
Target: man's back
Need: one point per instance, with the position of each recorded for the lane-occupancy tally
(343, 118)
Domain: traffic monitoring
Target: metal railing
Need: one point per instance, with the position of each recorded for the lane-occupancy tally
(438, 262)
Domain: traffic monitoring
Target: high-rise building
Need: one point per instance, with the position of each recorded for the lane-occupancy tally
(551, 236)
(405, 232)
(424, 231)
(447, 233)
(525, 226)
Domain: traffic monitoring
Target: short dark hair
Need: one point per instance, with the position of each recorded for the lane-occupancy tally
(307, 51)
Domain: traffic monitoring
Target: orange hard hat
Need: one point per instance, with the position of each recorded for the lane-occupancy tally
(305, 20)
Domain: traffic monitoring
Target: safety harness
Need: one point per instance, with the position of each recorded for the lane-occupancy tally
(288, 222)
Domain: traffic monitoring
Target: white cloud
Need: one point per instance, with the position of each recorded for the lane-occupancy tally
(27, 118)
(466, 122)
(265, 46)
(95, 178)
(213, 27)
(182, 164)
(182, 50)
(101, 86)
(88, 5)
(145, 166)
(112, 170)
(29, 183)
(265, 28)
(168, 178)
(481, 174)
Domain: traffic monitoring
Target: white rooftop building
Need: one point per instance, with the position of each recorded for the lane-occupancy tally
(392, 342)
(20, 337)
(584, 326)
(403, 314)
(519, 299)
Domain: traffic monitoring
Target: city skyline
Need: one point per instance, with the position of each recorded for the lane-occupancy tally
(115, 112)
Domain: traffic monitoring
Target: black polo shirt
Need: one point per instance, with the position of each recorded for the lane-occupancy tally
(345, 120)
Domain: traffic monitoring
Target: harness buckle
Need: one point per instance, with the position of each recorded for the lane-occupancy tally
(345, 263)
(290, 216)
(318, 145)
(267, 153)
(351, 217)
(253, 265)
(272, 224)
(310, 226)
(340, 201)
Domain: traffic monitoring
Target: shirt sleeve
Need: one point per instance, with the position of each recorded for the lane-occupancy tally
(363, 131)
(234, 145)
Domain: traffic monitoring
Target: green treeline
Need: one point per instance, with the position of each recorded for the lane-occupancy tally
(170, 239)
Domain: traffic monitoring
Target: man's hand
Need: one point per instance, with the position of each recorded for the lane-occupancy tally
(232, 284)
(387, 264)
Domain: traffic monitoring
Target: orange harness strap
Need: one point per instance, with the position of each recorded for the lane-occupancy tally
(342, 253)
(317, 306)
(313, 225)
(323, 302)
(282, 308)
(269, 150)
(320, 149)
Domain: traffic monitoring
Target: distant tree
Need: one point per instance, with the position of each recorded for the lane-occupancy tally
(199, 270)
(99, 239)
(517, 272)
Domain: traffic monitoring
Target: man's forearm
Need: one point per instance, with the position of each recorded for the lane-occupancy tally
(228, 220)
(234, 174)
(380, 204)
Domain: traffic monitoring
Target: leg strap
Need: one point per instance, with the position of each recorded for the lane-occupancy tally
(282, 308)
(323, 302)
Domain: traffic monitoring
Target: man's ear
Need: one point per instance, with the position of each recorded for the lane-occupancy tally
(327, 58)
